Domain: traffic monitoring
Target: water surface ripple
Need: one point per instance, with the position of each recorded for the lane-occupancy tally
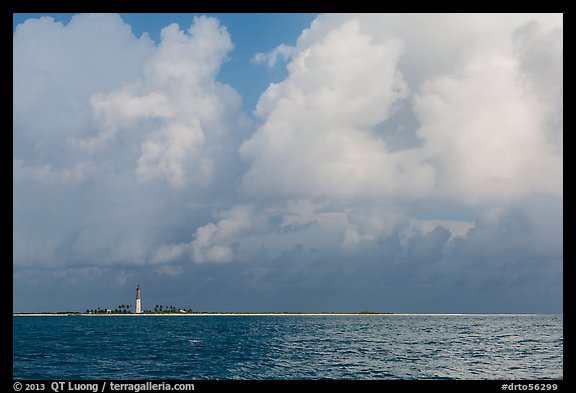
(289, 347)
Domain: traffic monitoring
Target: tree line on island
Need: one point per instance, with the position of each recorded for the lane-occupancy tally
(127, 309)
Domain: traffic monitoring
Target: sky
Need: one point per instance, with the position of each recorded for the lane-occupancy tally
(406, 163)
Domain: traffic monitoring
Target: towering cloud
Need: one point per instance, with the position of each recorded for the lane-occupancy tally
(402, 158)
(178, 105)
(483, 130)
(116, 121)
(319, 137)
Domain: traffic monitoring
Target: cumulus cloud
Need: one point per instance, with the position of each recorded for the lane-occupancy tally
(271, 58)
(212, 242)
(176, 103)
(57, 68)
(485, 134)
(539, 51)
(482, 133)
(113, 115)
(319, 123)
(403, 157)
(46, 174)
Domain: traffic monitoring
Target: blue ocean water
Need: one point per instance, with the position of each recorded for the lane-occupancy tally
(289, 347)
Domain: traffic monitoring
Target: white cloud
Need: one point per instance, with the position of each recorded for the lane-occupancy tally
(484, 133)
(318, 137)
(112, 114)
(46, 174)
(271, 58)
(57, 67)
(176, 104)
(539, 51)
(399, 149)
(215, 242)
(169, 252)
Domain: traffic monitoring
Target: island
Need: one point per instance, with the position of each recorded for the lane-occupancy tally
(163, 310)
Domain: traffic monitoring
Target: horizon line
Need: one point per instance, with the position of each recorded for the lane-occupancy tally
(277, 313)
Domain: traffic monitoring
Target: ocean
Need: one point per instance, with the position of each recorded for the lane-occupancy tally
(391, 347)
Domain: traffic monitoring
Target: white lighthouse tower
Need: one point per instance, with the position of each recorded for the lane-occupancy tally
(138, 304)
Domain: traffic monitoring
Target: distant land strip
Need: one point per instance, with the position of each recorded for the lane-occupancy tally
(199, 314)
(66, 313)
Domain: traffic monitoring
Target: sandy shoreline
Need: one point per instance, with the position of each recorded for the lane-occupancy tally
(234, 314)
(217, 314)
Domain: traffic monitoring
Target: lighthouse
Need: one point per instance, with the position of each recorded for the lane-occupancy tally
(138, 304)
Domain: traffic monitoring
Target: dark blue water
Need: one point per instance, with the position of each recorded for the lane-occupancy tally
(288, 347)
